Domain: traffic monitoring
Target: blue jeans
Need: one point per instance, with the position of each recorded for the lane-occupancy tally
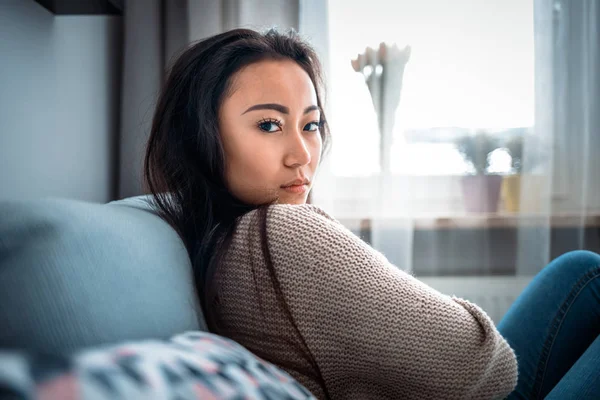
(554, 328)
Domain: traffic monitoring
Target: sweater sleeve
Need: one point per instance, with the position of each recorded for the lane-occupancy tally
(371, 325)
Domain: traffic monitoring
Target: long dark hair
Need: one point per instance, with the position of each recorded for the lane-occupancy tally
(184, 163)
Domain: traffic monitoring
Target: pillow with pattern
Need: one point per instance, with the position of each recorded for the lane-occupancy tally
(192, 365)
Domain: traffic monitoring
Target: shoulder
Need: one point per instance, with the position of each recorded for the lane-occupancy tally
(301, 233)
(286, 213)
(287, 219)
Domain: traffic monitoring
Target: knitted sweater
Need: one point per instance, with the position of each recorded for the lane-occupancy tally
(374, 331)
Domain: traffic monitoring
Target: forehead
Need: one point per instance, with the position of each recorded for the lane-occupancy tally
(273, 81)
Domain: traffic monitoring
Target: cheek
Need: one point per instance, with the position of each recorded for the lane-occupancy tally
(249, 169)
(316, 150)
(250, 161)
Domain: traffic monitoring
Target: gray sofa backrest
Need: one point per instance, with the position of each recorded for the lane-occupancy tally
(75, 274)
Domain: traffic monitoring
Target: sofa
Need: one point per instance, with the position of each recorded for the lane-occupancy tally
(84, 287)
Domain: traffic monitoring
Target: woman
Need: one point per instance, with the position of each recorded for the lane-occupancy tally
(236, 140)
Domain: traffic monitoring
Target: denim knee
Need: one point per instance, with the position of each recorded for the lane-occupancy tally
(575, 262)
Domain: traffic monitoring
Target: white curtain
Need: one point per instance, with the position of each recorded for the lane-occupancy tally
(157, 30)
(394, 174)
(523, 72)
(562, 191)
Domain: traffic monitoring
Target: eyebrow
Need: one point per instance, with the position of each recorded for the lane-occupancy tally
(279, 108)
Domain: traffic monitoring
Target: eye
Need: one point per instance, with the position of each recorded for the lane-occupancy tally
(269, 125)
(313, 126)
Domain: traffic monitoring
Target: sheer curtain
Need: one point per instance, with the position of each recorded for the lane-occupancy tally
(560, 160)
(518, 81)
(395, 174)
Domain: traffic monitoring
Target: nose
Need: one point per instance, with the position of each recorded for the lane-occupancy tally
(297, 152)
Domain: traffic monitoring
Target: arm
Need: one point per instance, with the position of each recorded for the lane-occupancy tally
(372, 325)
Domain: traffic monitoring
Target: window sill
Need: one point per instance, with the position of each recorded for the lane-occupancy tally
(483, 221)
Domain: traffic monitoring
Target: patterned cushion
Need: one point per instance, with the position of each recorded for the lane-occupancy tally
(192, 365)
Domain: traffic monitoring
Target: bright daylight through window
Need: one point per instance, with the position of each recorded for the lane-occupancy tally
(470, 70)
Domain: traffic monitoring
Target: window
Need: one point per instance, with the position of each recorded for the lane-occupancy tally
(471, 67)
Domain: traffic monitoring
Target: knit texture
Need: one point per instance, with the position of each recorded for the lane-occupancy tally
(374, 331)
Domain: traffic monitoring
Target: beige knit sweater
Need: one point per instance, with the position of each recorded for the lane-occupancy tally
(375, 331)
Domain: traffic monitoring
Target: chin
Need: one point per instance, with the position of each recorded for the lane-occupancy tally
(292, 200)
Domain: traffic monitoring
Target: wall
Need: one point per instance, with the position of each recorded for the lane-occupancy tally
(59, 101)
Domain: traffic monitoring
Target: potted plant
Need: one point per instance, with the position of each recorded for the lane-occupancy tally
(511, 185)
(481, 191)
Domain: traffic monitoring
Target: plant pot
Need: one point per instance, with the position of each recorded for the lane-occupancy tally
(532, 199)
(511, 192)
(481, 193)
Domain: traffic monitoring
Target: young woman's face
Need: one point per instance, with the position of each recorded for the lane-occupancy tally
(270, 132)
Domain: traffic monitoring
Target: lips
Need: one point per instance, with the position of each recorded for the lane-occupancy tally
(297, 189)
(297, 186)
(296, 182)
